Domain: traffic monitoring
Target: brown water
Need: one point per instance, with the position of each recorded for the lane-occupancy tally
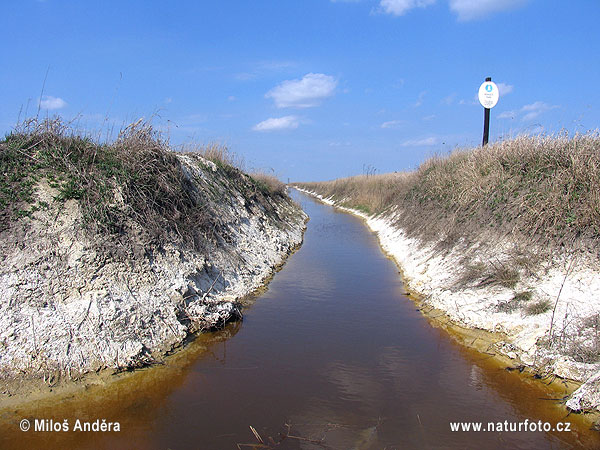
(333, 349)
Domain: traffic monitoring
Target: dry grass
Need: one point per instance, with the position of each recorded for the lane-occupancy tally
(490, 273)
(519, 301)
(133, 183)
(368, 193)
(545, 189)
(269, 183)
(220, 154)
(579, 338)
(538, 307)
(132, 187)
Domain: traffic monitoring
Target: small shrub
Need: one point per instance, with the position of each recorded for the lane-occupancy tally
(515, 303)
(524, 296)
(472, 273)
(503, 276)
(483, 274)
(538, 307)
(507, 306)
(581, 341)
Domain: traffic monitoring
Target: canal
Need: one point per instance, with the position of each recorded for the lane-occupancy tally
(332, 353)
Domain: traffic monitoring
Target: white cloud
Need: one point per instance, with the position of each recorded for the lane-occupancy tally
(392, 124)
(400, 7)
(419, 101)
(245, 76)
(263, 68)
(399, 83)
(528, 112)
(449, 99)
(505, 89)
(277, 123)
(478, 9)
(533, 110)
(304, 93)
(49, 102)
(507, 115)
(420, 142)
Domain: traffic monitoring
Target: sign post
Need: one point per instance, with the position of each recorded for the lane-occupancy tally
(488, 97)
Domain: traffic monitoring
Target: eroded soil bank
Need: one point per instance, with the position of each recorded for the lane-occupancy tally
(77, 302)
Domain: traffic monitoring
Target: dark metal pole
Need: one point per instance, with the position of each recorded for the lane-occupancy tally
(486, 121)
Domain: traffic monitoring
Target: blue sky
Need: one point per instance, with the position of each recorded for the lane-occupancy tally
(307, 89)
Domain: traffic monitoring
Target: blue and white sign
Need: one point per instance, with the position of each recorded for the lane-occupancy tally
(488, 94)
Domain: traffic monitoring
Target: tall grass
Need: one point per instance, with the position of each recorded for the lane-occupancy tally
(546, 189)
(269, 183)
(134, 187)
(220, 154)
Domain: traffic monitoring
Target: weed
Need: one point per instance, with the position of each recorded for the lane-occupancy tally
(538, 307)
(502, 275)
(492, 273)
(578, 339)
(515, 303)
(524, 296)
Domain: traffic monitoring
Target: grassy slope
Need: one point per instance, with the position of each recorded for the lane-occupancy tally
(544, 190)
(133, 187)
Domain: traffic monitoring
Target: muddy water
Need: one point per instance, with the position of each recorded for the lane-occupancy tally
(334, 350)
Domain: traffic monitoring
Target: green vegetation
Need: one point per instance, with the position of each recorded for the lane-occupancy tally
(542, 189)
(133, 186)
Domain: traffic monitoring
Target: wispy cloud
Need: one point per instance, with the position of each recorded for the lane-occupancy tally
(264, 68)
(507, 115)
(528, 112)
(277, 123)
(420, 142)
(49, 102)
(534, 110)
(401, 7)
(479, 9)
(449, 99)
(466, 10)
(307, 92)
(420, 99)
(504, 88)
(392, 124)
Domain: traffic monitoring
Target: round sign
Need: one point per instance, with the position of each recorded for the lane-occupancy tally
(488, 94)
